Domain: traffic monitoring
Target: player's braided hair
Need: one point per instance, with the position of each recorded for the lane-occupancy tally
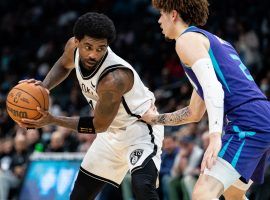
(95, 25)
(193, 12)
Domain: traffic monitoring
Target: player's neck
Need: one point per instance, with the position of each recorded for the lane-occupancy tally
(86, 71)
(180, 28)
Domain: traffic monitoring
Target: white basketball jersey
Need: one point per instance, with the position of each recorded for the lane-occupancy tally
(134, 103)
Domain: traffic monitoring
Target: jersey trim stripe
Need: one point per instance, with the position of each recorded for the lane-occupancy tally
(152, 154)
(109, 69)
(99, 178)
(74, 55)
(217, 69)
(128, 110)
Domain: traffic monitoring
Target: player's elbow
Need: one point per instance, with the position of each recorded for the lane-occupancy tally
(197, 112)
(101, 129)
(197, 118)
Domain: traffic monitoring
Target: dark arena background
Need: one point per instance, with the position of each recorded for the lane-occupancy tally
(42, 164)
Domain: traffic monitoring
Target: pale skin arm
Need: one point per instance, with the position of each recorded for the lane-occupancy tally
(191, 113)
(110, 91)
(191, 47)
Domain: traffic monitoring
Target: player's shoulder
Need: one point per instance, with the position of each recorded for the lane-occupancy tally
(71, 44)
(187, 42)
(68, 56)
(190, 38)
(119, 78)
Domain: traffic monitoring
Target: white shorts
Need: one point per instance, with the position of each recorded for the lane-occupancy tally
(113, 153)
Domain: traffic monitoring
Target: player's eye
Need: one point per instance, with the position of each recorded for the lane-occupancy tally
(100, 49)
(87, 47)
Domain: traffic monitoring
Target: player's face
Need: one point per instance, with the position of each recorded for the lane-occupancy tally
(91, 51)
(166, 24)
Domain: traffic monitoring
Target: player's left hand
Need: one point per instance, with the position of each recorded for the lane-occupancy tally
(211, 153)
(150, 115)
(46, 119)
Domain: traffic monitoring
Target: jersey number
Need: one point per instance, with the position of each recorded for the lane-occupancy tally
(242, 67)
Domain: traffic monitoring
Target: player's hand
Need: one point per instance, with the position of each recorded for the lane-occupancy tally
(150, 115)
(36, 82)
(46, 119)
(211, 153)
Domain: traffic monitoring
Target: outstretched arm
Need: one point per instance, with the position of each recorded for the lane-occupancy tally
(191, 113)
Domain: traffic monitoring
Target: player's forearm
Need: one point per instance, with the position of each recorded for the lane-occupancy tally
(178, 117)
(68, 122)
(56, 75)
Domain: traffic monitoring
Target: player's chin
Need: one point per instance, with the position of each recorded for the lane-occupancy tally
(89, 66)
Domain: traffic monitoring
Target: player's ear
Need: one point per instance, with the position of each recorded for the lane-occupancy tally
(76, 41)
(174, 15)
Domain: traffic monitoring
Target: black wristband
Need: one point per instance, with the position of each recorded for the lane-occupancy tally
(86, 125)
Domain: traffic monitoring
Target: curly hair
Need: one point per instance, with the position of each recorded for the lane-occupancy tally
(193, 12)
(94, 25)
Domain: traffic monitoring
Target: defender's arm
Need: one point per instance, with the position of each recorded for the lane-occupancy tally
(191, 113)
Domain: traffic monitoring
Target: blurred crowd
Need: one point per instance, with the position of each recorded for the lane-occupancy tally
(33, 34)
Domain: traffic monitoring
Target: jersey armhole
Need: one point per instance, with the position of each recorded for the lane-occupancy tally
(110, 69)
(74, 55)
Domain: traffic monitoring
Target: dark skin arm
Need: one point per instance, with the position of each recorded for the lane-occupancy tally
(61, 69)
(110, 91)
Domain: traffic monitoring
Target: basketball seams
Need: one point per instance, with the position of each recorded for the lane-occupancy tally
(31, 98)
(39, 115)
(28, 94)
(20, 106)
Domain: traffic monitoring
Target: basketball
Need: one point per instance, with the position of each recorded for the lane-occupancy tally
(23, 99)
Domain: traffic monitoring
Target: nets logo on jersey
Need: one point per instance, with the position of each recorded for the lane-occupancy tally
(135, 156)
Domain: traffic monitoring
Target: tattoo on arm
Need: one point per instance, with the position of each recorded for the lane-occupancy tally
(175, 118)
(108, 105)
(56, 75)
(110, 93)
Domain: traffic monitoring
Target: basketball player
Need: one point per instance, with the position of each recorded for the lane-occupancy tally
(119, 98)
(224, 87)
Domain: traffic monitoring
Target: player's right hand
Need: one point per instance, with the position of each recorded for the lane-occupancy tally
(46, 119)
(36, 82)
(150, 115)
(211, 153)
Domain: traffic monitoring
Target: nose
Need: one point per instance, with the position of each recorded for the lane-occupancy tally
(159, 20)
(93, 55)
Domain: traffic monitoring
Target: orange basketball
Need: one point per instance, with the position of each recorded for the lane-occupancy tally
(23, 100)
